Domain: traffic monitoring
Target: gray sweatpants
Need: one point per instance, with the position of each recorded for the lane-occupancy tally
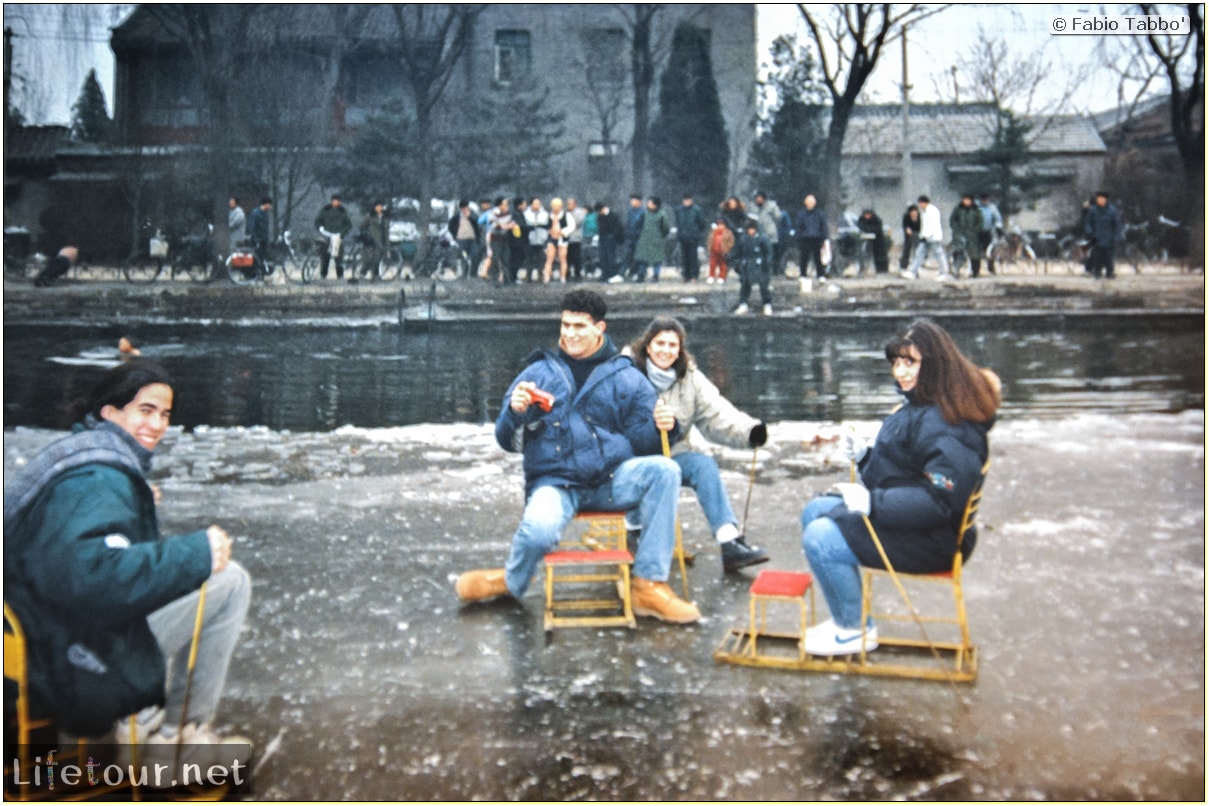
(227, 597)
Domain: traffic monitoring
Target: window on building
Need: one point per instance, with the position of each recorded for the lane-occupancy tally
(168, 94)
(513, 56)
(602, 160)
(607, 55)
(281, 94)
(371, 81)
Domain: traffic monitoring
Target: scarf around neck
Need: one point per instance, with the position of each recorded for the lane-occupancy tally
(661, 379)
(94, 442)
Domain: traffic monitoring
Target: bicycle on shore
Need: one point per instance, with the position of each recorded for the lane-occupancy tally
(364, 261)
(1140, 246)
(444, 259)
(1074, 250)
(23, 267)
(197, 259)
(959, 258)
(1009, 249)
(295, 262)
(853, 249)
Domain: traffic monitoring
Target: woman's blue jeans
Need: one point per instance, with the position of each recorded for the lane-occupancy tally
(835, 567)
(699, 472)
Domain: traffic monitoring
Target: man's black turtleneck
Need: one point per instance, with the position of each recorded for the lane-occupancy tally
(581, 368)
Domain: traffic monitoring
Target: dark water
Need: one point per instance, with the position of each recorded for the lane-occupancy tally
(306, 377)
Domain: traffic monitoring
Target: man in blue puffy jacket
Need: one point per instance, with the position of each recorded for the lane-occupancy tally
(594, 447)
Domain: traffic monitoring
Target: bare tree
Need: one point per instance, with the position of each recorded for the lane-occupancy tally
(640, 19)
(650, 44)
(216, 37)
(851, 38)
(603, 61)
(1183, 63)
(1026, 83)
(1144, 64)
(347, 22)
(431, 41)
(1030, 97)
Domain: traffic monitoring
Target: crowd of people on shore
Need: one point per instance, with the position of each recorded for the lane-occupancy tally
(526, 239)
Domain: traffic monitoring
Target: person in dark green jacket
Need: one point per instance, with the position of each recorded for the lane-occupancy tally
(107, 605)
(966, 224)
(649, 249)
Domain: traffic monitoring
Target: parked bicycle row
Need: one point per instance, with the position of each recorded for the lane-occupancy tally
(384, 249)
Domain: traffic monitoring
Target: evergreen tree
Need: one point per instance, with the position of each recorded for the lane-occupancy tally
(690, 152)
(90, 121)
(1008, 156)
(511, 146)
(787, 156)
(381, 164)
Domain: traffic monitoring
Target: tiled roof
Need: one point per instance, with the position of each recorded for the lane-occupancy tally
(291, 22)
(34, 143)
(1113, 119)
(959, 129)
(1065, 134)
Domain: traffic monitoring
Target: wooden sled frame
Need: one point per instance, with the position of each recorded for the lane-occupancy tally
(954, 661)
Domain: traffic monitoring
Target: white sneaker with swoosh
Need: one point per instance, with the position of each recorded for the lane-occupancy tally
(827, 639)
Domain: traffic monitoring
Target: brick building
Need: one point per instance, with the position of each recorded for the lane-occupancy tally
(324, 69)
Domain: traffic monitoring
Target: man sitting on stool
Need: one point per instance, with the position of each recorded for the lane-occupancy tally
(594, 447)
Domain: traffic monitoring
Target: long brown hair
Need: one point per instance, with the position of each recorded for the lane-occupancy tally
(657, 326)
(963, 390)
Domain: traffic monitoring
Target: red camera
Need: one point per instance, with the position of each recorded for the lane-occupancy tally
(544, 400)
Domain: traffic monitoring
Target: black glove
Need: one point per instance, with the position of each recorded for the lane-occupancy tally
(758, 436)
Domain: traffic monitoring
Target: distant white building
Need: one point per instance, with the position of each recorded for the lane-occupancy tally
(1067, 160)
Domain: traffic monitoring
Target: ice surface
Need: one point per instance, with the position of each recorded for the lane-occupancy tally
(359, 675)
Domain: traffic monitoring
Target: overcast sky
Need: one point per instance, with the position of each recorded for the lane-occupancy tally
(56, 44)
(938, 42)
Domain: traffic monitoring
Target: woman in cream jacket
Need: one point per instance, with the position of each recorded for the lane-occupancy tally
(662, 354)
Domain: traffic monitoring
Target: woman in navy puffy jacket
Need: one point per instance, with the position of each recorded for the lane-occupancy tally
(914, 482)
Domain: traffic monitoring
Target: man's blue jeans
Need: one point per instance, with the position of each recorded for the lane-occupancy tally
(923, 250)
(835, 567)
(649, 484)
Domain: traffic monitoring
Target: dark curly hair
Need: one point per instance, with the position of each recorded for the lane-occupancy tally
(582, 300)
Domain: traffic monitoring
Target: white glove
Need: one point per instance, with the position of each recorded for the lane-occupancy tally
(324, 233)
(853, 447)
(856, 497)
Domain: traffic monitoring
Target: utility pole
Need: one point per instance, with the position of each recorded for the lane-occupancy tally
(8, 79)
(905, 169)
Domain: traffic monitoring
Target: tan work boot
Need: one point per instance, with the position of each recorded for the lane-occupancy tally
(657, 600)
(479, 586)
